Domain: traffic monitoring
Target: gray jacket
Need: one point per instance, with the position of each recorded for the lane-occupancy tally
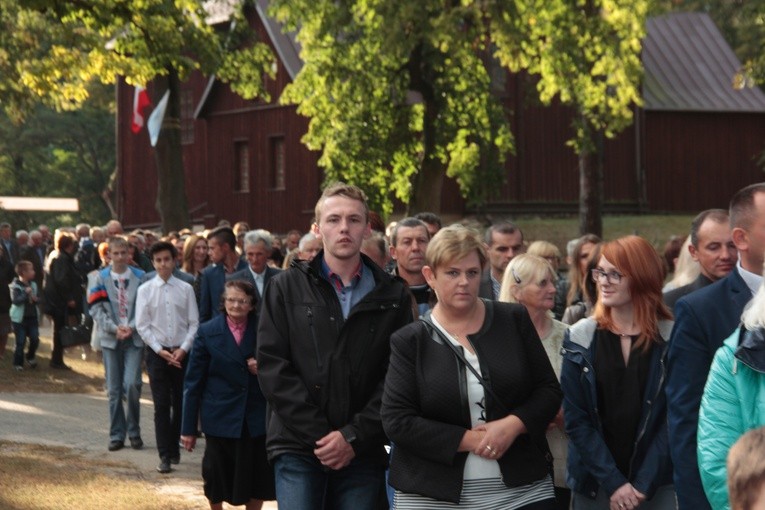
(103, 301)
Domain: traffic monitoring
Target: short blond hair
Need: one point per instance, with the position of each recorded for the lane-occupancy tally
(746, 470)
(454, 242)
(343, 190)
(543, 249)
(521, 271)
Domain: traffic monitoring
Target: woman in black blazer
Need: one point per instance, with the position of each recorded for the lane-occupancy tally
(458, 439)
(221, 388)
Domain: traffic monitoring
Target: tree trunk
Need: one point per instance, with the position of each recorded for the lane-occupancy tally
(428, 182)
(171, 182)
(591, 187)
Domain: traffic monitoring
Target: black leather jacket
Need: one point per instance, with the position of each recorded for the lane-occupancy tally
(320, 372)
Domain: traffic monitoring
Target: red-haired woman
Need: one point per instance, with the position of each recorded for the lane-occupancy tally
(613, 385)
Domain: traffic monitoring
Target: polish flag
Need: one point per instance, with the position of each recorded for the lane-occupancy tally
(140, 102)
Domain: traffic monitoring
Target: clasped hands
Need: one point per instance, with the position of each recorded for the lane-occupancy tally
(491, 440)
(626, 497)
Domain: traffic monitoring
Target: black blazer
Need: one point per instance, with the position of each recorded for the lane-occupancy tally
(486, 290)
(673, 296)
(425, 410)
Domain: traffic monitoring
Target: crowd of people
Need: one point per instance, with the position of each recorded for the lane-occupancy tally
(416, 366)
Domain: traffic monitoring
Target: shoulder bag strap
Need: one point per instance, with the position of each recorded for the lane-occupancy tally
(439, 337)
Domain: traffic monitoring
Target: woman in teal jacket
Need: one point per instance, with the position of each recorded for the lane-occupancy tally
(734, 399)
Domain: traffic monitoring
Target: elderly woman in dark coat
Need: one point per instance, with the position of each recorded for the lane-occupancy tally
(221, 388)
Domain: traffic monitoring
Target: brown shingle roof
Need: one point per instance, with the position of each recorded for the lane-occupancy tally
(690, 67)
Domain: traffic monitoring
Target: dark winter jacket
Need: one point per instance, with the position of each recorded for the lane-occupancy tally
(320, 372)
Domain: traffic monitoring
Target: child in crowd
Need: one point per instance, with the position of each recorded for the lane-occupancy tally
(746, 471)
(24, 314)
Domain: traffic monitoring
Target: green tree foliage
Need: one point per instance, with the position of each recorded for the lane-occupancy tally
(60, 46)
(366, 59)
(398, 94)
(587, 55)
(54, 154)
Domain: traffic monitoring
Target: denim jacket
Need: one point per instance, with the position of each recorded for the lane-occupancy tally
(590, 463)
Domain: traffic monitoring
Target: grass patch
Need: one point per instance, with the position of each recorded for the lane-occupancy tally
(54, 478)
(656, 229)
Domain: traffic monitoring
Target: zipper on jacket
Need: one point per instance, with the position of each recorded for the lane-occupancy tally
(309, 314)
(648, 414)
(586, 367)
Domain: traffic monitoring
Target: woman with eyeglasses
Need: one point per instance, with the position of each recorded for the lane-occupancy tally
(530, 281)
(613, 386)
(221, 387)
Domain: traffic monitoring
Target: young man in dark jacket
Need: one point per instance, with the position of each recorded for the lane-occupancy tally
(323, 348)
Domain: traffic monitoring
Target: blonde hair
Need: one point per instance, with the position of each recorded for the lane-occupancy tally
(753, 316)
(687, 269)
(344, 190)
(454, 242)
(746, 470)
(521, 271)
(543, 249)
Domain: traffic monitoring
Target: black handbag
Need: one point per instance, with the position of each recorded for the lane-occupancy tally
(75, 335)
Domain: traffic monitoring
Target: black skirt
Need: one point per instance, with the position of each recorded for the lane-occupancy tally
(237, 470)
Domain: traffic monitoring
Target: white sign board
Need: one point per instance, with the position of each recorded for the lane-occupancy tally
(39, 204)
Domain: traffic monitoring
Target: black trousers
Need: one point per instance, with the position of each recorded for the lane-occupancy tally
(166, 383)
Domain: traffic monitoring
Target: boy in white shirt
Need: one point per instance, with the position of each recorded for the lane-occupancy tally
(167, 319)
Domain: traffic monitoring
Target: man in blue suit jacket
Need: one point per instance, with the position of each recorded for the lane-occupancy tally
(703, 319)
(225, 261)
(257, 248)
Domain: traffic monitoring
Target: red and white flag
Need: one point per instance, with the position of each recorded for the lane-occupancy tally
(140, 102)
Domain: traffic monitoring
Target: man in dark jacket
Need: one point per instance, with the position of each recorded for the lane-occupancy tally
(323, 348)
(712, 247)
(703, 319)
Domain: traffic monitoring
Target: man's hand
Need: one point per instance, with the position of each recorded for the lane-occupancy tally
(334, 451)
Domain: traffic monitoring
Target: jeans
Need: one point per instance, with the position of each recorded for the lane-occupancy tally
(122, 365)
(167, 391)
(21, 330)
(302, 483)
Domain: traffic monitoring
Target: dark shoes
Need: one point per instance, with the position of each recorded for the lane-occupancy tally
(175, 460)
(116, 445)
(136, 443)
(164, 466)
(60, 366)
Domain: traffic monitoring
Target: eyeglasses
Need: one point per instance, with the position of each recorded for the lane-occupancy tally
(611, 277)
(237, 301)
